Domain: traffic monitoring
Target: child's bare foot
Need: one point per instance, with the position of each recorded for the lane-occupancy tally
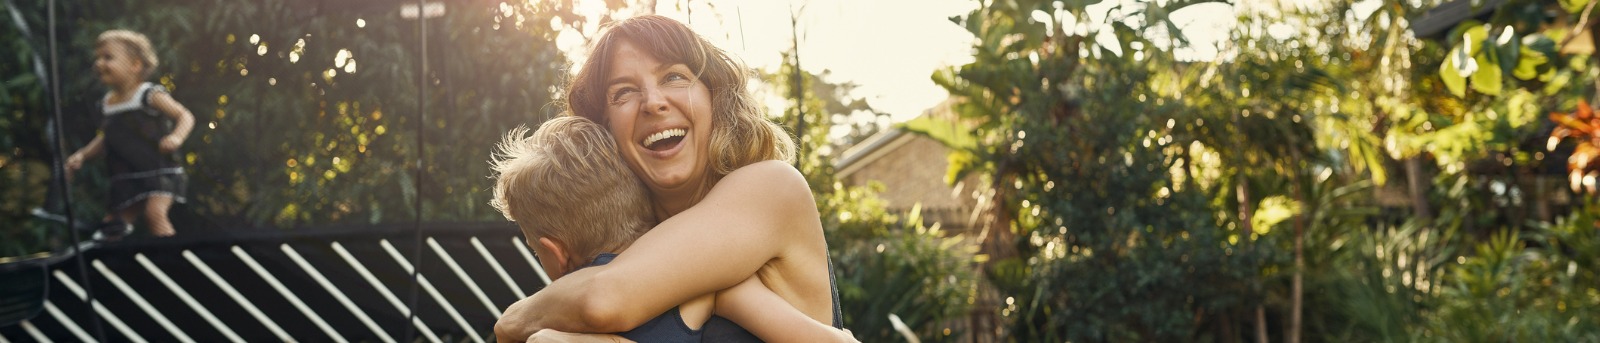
(163, 231)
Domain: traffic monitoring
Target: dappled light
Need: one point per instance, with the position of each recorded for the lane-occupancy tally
(1131, 170)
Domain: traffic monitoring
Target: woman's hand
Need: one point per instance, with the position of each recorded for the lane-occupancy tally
(170, 143)
(518, 323)
(553, 336)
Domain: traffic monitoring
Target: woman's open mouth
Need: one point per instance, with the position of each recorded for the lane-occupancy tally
(664, 140)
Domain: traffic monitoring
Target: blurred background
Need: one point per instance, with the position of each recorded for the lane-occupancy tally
(987, 171)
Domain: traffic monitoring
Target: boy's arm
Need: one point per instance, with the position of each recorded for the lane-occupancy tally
(184, 121)
(756, 308)
(553, 336)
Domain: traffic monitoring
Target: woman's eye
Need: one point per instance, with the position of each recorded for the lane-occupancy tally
(617, 95)
(676, 77)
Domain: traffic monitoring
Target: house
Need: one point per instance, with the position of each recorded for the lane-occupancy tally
(912, 169)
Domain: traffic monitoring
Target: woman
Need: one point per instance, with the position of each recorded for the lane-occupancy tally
(730, 204)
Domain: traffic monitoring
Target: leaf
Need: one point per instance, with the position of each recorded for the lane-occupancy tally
(950, 133)
(1451, 75)
(1556, 81)
(1574, 121)
(1473, 35)
(962, 162)
(1574, 6)
(1487, 80)
(1507, 52)
(1529, 63)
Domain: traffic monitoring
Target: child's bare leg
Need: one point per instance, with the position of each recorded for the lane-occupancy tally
(155, 214)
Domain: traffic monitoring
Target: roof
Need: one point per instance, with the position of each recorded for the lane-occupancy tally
(1439, 20)
(870, 149)
(879, 144)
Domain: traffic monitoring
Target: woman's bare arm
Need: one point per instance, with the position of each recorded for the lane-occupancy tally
(553, 336)
(745, 222)
(757, 309)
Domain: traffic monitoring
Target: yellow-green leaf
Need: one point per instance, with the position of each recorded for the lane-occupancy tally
(951, 133)
(1528, 64)
(1474, 37)
(1574, 6)
(1486, 80)
(1452, 76)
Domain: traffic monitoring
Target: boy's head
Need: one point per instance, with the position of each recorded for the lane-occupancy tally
(569, 191)
(125, 53)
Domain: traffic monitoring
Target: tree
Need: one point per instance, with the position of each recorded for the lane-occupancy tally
(306, 113)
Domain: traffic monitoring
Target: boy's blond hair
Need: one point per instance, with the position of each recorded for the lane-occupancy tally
(567, 182)
(137, 45)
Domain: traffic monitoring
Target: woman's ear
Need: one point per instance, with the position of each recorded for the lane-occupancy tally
(558, 254)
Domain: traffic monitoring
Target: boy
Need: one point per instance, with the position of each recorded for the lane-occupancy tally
(578, 205)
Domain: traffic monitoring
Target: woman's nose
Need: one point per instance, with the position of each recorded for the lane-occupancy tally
(655, 101)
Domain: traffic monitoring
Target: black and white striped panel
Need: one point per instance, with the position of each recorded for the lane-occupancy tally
(337, 290)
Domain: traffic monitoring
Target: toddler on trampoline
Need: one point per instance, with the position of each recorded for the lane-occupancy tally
(140, 132)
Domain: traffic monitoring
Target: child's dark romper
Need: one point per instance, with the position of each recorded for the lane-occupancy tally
(132, 136)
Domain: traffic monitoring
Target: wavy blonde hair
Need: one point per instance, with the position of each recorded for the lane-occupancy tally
(740, 133)
(136, 44)
(567, 182)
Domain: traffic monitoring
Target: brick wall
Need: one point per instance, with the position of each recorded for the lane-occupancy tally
(914, 171)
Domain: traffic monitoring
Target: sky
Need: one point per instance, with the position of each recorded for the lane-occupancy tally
(890, 47)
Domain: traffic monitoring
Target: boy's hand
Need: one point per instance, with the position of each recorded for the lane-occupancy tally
(170, 143)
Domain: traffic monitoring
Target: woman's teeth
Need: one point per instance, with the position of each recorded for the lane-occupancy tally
(658, 136)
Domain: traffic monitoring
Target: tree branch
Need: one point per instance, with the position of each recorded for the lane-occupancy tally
(1583, 22)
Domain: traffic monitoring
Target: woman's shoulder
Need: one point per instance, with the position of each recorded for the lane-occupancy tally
(770, 181)
(765, 170)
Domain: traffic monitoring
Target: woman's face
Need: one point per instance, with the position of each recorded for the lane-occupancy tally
(113, 63)
(660, 115)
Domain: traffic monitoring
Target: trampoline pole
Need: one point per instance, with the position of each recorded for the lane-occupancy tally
(422, 100)
(61, 182)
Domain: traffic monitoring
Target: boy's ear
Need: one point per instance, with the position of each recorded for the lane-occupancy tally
(557, 251)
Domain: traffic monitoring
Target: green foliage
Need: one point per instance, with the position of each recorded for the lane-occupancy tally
(890, 265)
(1083, 144)
(1126, 173)
(1515, 289)
(1376, 284)
(305, 113)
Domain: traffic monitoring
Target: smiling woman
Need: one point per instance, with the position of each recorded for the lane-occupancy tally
(732, 209)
